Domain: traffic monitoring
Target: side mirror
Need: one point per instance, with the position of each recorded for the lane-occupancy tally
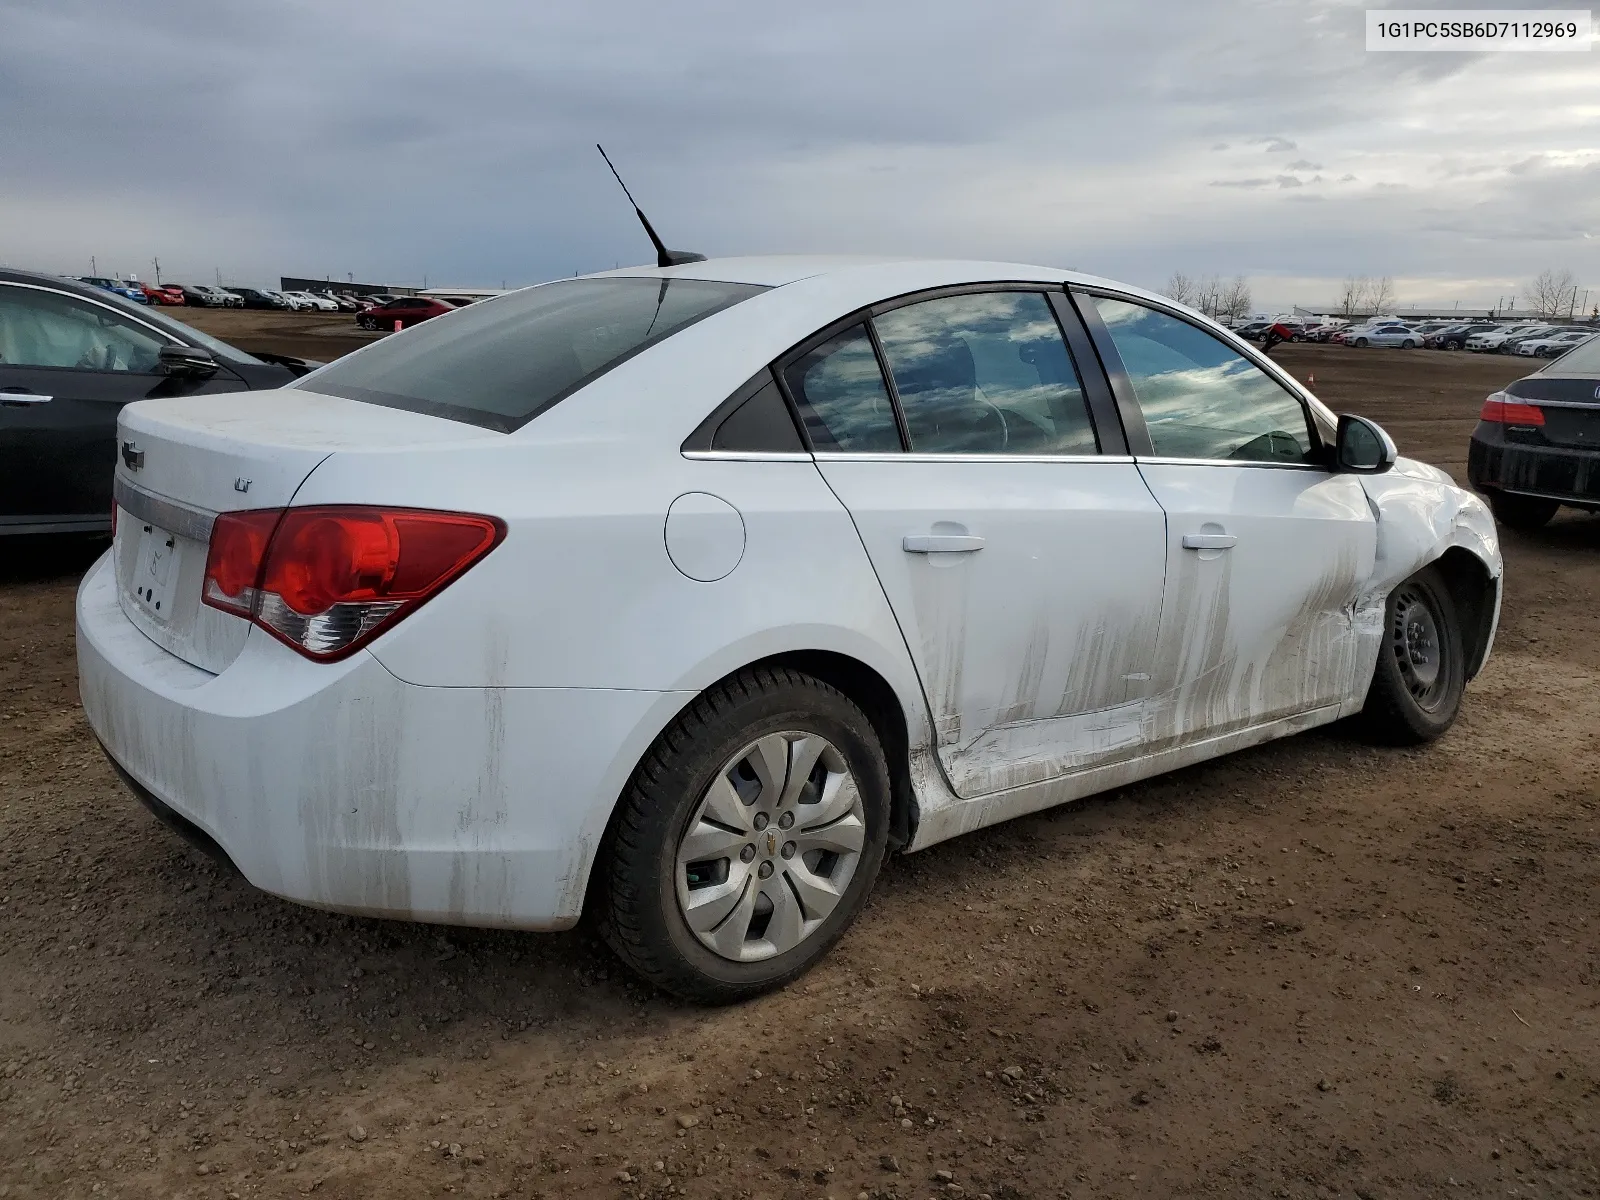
(188, 362)
(1362, 447)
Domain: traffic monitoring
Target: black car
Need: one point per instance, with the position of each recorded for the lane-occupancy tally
(196, 298)
(71, 356)
(1537, 444)
(257, 299)
(1454, 337)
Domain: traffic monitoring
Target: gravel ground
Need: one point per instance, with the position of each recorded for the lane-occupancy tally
(1315, 968)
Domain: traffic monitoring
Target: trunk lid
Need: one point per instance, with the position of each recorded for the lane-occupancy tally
(180, 462)
(1571, 407)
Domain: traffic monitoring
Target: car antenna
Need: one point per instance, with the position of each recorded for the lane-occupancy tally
(664, 257)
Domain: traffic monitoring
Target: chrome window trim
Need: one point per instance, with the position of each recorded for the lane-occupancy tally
(748, 455)
(1156, 460)
(110, 308)
(934, 456)
(185, 520)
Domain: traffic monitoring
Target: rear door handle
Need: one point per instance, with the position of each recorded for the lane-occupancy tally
(942, 543)
(10, 398)
(1209, 541)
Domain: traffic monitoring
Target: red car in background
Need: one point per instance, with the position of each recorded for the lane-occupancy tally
(408, 310)
(158, 294)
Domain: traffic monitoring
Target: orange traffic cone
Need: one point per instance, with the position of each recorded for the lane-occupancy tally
(1311, 379)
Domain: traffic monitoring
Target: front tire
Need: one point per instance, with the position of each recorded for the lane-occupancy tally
(1361, 343)
(1522, 513)
(748, 838)
(1408, 344)
(1421, 674)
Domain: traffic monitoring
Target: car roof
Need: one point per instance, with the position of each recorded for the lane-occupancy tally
(60, 282)
(857, 281)
(780, 270)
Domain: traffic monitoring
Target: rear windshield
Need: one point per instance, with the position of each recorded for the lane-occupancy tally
(1584, 359)
(501, 362)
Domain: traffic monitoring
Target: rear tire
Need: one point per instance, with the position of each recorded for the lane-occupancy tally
(1421, 674)
(1522, 513)
(716, 884)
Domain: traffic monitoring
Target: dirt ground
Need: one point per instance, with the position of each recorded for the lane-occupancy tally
(1312, 969)
(319, 336)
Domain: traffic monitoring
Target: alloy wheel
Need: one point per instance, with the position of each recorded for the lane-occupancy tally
(771, 848)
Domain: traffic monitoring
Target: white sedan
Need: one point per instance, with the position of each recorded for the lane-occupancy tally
(311, 300)
(1402, 336)
(1554, 346)
(686, 594)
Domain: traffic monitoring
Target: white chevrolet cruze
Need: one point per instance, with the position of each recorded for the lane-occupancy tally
(683, 595)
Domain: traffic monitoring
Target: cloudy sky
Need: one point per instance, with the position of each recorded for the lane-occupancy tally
(397, 139)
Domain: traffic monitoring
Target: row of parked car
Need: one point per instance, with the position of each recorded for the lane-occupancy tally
(1528, 339)
(204, 295)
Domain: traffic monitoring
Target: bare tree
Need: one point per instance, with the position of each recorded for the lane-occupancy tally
(1550, 291)
(1379, 295)
(1181, 288)
(1350, 294)
(1235, 298)
(1208, 295)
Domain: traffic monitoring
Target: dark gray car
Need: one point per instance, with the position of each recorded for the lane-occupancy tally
(71, 356)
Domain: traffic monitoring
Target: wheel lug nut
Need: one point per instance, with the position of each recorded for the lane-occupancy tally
(761, 820)
(747, 854)
(786, 820)
(788, 850)
(765, 870)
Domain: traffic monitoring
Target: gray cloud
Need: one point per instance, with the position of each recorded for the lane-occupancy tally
(402, 138)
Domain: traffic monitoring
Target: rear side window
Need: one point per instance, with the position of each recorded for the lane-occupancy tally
(502, 362)
(985, 373)
(841, 395)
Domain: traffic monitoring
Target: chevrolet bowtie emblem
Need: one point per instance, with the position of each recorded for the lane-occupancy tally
(132, 456)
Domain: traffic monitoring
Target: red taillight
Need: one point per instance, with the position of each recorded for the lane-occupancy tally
(325, 580)
(233, 562)
(1501, 411)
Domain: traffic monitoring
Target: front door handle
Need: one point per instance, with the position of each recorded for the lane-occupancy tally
(942, 543)
(16, 397)
(1209, 541)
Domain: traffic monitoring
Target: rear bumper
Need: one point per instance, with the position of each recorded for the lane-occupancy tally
(1495, 465)
(91, 523)
(341, 787)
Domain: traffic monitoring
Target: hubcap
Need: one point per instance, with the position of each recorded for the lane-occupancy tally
(771, 847)
(1417, 647)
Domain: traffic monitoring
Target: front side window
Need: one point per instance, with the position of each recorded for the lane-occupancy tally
(46, 329)
(501, 363)
(985, 373)
(1199, 398)
(839, 390)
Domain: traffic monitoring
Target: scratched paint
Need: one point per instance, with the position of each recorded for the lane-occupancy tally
(1238, 666)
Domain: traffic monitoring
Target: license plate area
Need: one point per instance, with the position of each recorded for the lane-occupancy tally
(154, 580)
